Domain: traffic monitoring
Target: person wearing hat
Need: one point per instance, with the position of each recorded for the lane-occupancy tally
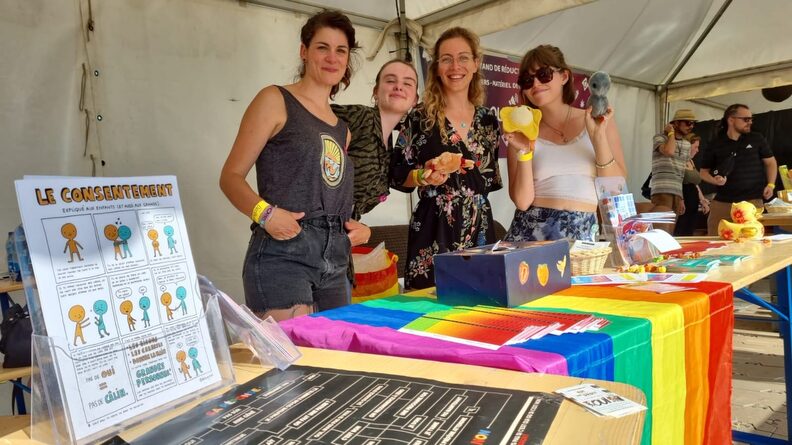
(740, 163)
(670, 155)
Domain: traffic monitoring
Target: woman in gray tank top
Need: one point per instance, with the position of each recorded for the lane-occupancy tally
(298, 253)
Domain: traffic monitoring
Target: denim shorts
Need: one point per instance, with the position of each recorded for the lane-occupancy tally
(310, 268)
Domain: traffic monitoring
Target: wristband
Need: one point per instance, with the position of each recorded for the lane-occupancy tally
(267, 214)
(255, 215)
(524, 157)
(771, 185)
(670, 134)
(418, 177)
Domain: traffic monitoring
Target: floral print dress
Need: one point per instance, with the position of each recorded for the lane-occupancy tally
(457, 214)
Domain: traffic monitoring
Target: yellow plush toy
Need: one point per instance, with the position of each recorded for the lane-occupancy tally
(745, 225)
(523, 119)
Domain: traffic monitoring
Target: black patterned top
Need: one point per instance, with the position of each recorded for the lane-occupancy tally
(455, 215)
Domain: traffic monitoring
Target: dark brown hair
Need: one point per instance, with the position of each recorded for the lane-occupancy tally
(730, 111)
(551, 56)
(335, 20)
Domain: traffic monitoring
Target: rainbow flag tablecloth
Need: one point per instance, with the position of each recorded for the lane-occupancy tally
(677, 348)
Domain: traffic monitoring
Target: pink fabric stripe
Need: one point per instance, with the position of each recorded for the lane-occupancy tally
(321, 332)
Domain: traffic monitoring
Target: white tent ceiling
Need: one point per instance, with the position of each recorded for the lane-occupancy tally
(641, 42)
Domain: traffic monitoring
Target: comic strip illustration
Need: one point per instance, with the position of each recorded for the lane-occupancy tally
(118, 295)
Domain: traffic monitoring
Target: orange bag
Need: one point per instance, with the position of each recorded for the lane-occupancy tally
(378, 284)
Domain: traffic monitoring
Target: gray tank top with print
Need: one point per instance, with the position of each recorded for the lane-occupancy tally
(304, 167)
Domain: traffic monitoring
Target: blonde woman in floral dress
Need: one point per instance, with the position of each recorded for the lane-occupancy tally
(453, 212)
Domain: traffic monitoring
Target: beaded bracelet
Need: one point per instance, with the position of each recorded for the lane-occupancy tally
(418, 177)
(605, 165)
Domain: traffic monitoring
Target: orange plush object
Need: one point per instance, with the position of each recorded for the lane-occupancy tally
(448, 163)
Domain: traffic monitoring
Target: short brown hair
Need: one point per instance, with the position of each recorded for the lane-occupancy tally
(335, 20)
(547, 55)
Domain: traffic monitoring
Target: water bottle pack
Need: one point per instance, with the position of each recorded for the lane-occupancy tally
(13, 265)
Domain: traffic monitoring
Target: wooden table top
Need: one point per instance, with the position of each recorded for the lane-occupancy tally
(776, 219)
(571, 423)
(6, 285)
(765, 260)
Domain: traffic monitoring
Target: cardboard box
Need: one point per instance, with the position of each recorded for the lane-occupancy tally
(511, 275)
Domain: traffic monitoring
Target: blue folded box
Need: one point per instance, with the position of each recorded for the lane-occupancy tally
(504, 274)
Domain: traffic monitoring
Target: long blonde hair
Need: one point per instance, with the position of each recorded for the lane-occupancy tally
(434, 104)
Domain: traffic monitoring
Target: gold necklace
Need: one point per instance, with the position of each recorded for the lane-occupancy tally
(557, 131)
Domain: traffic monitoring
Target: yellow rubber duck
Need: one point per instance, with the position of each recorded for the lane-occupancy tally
(523, 119)
(747, 230)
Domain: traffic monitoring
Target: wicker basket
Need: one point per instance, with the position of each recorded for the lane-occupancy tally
(589, 262)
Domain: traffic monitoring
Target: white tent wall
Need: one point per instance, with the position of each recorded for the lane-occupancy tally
(635, 110)
(174, 79)
(40, 49)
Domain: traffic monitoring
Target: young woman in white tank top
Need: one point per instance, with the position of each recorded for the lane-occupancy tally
(554, 191)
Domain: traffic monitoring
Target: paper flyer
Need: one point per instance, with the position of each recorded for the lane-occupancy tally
(600, 401)
(622, 278)
(118, 294)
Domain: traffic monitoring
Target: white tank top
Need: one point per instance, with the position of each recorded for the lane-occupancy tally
(565, 171)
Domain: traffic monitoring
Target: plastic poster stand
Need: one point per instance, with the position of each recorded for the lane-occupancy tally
(50, 418)
(265, 338)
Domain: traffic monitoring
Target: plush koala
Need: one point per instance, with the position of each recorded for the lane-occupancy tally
(599, 84)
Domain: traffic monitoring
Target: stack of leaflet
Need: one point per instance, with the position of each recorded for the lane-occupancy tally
(600, 401)
(728, 260)
(492, 327)
(654, 217)
(698, 265)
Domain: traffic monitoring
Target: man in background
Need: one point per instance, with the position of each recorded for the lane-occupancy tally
(740, 163)
(670, 155)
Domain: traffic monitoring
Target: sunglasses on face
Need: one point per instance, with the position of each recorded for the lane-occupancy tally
(543, 75)
(688, 123)
(744, 119)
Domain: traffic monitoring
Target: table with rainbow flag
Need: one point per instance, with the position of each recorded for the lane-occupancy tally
(676, 348)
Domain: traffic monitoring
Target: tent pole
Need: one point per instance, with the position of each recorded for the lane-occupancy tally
(698, 43)
(404, 39)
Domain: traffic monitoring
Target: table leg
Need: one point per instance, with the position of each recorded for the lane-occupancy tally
(784, 284)
(5, 303)
(19, 394)
(782, 309)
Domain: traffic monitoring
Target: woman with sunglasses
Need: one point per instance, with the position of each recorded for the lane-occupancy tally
(453, 211)
(553, 186)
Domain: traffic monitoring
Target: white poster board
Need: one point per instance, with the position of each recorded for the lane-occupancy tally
(118, 295)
